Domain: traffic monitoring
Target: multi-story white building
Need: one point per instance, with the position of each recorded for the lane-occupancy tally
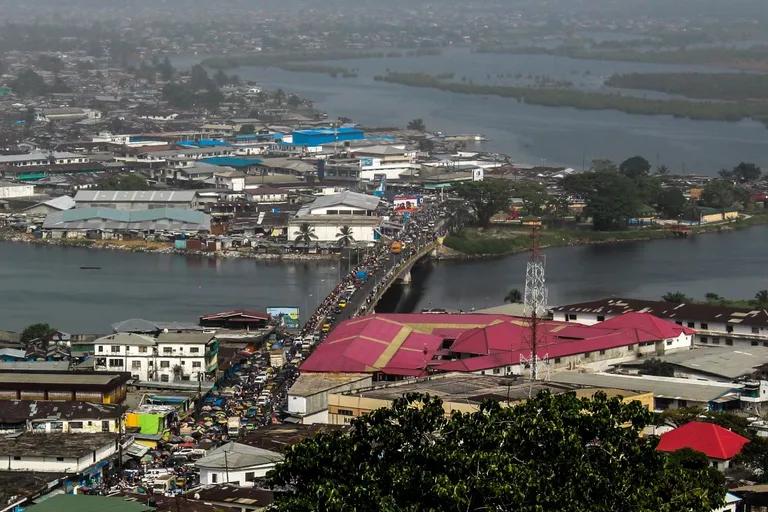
(46, 417)
(714, 325)
(168, 357)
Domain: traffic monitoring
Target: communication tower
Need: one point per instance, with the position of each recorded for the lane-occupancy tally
(535, 298)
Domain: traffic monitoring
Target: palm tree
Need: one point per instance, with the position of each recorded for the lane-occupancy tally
(514, 296)
(305, 234)
(345, 238)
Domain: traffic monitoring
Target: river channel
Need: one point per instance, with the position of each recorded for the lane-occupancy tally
(529, 133)
(45, 283)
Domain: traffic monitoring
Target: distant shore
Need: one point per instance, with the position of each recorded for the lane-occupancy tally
(498, 241)
(142, 246)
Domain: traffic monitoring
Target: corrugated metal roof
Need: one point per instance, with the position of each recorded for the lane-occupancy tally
(142, 196)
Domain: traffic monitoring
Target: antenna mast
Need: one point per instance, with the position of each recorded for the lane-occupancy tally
(535, 299)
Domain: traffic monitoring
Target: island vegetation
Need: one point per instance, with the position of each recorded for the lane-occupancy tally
(584, 100)
(280, 59)
(414, 457)
(721, 86)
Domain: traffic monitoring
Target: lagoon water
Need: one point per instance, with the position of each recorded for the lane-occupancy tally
(529, 133)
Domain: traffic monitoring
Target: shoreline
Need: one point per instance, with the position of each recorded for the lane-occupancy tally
(164, 248)
(446, 253)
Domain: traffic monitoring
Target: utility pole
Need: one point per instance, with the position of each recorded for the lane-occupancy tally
(535, 298)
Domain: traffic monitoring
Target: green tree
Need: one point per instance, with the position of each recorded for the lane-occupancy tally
(199, 79)
(671, 203)
(754, 457)
(247, 129)
(680, 416)
(305, 234)
(676, 298)
(28, 84)
(553, 453)
(657, 367)
(533, 194)
(486, 198)
(417, 125)
(714, 298)
(166, 70)
(662, 170)
(720, 194)
(746, 172)
(635, 167)
(514, 296)
(344, 236)
(37, 331)
(761, 298)
(294, 101)
(612, 198)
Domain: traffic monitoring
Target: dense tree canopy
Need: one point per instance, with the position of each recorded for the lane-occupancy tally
(742, 173)
(676, 298)
(671, 203)
(612, 198)
(124, 182)
(486, 198)
(533, 194)
(551, 453)
(635, 167)
(37, 331)
(719, 194)
(28, 83)
(417, 124)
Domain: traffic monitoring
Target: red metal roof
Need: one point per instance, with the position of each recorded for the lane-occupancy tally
(710, 439)
(481, 341)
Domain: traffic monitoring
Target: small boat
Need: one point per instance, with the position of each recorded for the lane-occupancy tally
(90, 268)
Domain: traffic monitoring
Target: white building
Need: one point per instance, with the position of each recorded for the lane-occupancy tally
(56, 453)
(714, 325)
(43, 416)
(10, 190)
(267, 195)
(169, 357)
(37, 158)
(326, 215)
(230, 179)
(47, 115)
(236, 463)
(308, 396)
(392, 161)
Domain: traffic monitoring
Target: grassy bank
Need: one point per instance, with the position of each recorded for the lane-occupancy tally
(721, 86)
(560, 97)
(500, 241)
(280, 59)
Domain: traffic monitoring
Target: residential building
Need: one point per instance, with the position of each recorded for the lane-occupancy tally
(65, 114)
(326, 215)
(167, 357)
(308, 396)
(714, 324)
(136, 199)
(719, 444)
(10, 190)
(45, 417)
(95, 387)
(109, 223)
(58, 453)
(236, 463)
(393, 161)
(460, 392)
(267, 195)
(230, 179)
(40, 158)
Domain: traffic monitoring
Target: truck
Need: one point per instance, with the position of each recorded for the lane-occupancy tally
(233, 426)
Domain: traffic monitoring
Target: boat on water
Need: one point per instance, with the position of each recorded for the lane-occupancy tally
(89, 268)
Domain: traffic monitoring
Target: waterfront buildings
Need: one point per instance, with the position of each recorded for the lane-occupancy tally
(167, 357)
(111, 223)
(714, 324)
(326, 215)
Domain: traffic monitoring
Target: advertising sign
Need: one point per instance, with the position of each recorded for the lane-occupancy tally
(288, 317)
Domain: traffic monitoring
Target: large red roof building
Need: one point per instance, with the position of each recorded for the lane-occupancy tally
(419, 344)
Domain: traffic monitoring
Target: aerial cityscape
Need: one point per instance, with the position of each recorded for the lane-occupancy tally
(402, 256)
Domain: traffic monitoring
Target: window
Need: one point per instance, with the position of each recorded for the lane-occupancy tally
(250, 476)
(728, 341)
(587, 354)
(496, 371)
(75, 424)
(728, 328)
(754, 343)
(101, 361)
(115, 363)
(557, 360)
(135, 365)
(669, 343)
(715, 340)
(679, 322)
(16, 457)
(691, 324)
(602, 352)
(600, 318)
(214, 478)
(165, 364)
(100, 348)
(143, 349)
(704, 339)
(167, 350)
(194, 350)
(164, 378)
(630, 348)
(571, 317)
(755, 330)
(346, 412)
(196, 364)
(105, 426)
(114, 349)
(704, 325)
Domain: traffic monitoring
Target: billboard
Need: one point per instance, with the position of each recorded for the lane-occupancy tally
(287, 316)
